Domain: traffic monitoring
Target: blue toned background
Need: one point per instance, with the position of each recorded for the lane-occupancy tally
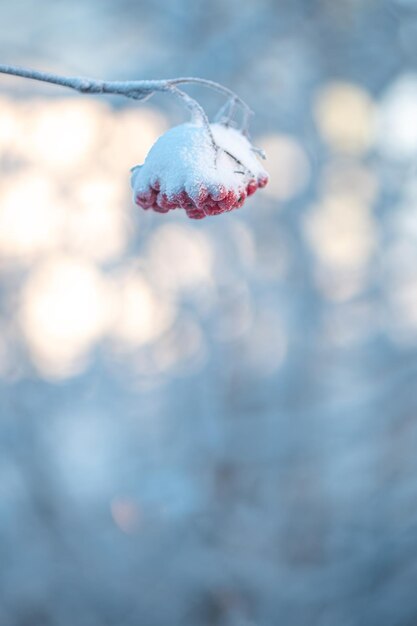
(210, 423)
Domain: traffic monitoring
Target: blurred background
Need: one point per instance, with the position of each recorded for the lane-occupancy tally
(210, 423)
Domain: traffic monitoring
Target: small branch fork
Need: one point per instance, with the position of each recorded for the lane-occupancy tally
(137, 89)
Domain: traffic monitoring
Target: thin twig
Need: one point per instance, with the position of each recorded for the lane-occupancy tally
(196, 109)
(216, 86)
(136, 89)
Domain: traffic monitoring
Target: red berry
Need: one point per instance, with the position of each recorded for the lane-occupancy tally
(159, 209)
(241, 199)
(216, 210)
(184, 200)
(195, 214)
(219, 193)
(146, 199)
(229, 201)
(202, 196)
(165, 203)
(209, 206)
(251, 187)
(262, 181)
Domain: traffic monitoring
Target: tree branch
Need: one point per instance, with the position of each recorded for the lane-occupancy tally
(136, 89)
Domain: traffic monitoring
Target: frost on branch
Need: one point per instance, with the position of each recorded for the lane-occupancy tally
(185, 169)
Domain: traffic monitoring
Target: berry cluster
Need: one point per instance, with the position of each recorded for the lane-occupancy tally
(184, 170)
(217, 201)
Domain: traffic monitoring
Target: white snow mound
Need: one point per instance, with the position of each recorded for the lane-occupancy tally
(185, 158)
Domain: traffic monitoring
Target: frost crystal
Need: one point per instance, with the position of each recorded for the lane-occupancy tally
(184, 169)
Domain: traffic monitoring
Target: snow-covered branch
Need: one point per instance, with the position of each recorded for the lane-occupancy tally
(136, 89)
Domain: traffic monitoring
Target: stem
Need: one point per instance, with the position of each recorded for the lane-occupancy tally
(226, 112)
(238, 161)
(131, 89)
(137, 89)
(196, 110)
(216, 87)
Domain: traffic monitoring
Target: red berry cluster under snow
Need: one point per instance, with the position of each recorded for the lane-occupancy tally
(185, 170)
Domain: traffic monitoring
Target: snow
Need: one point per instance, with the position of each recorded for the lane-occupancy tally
(185, 158)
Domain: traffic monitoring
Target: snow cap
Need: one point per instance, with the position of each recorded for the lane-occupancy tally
(185, 169)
